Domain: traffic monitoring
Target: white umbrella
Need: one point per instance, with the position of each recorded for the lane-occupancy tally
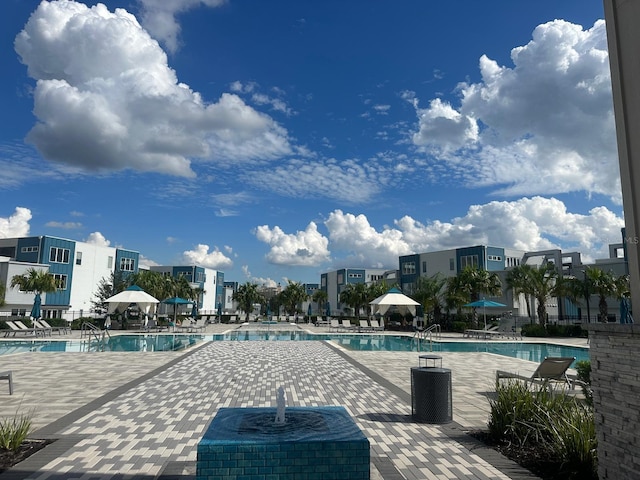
(394, 298)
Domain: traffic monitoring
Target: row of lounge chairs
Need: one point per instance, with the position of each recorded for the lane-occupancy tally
(336, 325)
(40, 328)
(490, 332)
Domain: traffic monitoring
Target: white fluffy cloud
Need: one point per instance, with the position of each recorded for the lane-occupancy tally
(304, 248)
(201, 255)
(106, 99)
(544, 125)
(527, 224)
(16, 225)
(159, 17)
(96, 238)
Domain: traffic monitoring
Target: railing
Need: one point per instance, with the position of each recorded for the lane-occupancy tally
(91, 332)
(427, 333)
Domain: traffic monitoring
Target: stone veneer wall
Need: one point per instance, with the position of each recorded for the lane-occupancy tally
(615, 377)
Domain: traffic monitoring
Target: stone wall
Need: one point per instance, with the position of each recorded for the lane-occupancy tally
(615, 377)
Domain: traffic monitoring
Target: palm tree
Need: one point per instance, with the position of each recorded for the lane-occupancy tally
(320, 297)
(246, 295)
(429, 292)
(545, 282)
(518, 280)
(469, 284)
(604, 284)
(355, 295)
(3, 290)
(293, 295)
(375, 290)
(108, 287)
(35, 281)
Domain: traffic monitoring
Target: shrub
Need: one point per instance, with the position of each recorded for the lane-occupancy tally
(557, 426)
(14, 431)
(584, 376)
(533, 330)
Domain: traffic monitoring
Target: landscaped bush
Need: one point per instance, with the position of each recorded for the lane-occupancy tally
(545, 427)
(537, 330)
(14, 431)
(584, 375)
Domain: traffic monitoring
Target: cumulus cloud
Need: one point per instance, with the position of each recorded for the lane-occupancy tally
(16, 225)
(106, 99)
(527, 224)
(304, 248)
(262, 281)
(96, 238)
(544, 125)
(159, 17)
(201, 255)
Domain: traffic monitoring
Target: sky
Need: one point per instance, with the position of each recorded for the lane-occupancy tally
(279, 140)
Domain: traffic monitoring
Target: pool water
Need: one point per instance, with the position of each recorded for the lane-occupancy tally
(534, 352)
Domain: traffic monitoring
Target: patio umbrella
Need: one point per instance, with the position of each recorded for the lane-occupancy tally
(176, 301)
(484, 304)
(194, 310)
(309, 311)
(328, 309)
(35, 310)
(219, 312)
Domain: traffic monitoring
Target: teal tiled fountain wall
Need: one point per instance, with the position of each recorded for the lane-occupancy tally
(314, 443)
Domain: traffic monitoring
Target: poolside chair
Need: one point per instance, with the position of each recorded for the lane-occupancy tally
(334, 325)
(9, 378)
(375, 326)
(551, 369)
(44, 330)
(364, 326)
(60, 330)
(346, 325)
(17, 326)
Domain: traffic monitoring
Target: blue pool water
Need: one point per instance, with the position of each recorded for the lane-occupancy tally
(163, 342)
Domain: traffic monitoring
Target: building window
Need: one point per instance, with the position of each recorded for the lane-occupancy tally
(59, 255)
(61, 281)
(29, 249)
(469, 261)
(323, 282)
(494, 258)
(355, 275)
(127, 264)
(452, 264)
(424, 266)
(109, 262)
(340, 279)
(409, 268)
(78, 258)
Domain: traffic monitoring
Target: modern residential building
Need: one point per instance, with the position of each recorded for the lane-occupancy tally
(210, 282)
(336, 281)
(77, 266)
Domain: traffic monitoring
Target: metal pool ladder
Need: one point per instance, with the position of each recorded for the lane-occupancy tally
(91, 332)
(427, 334)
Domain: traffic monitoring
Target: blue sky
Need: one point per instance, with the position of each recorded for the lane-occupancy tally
(279, 140)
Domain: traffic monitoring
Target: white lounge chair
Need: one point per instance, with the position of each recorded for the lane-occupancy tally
(364, 326)
(64, 329)
(334, 325)
(346, 325)
(17, 326)
(551, 369)
(375, 326)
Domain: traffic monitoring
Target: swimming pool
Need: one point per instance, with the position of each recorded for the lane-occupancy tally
(166, 342)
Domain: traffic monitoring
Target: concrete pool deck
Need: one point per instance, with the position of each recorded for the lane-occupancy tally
(140, 415)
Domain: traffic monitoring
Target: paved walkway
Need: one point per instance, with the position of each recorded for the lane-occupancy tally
(140, 415)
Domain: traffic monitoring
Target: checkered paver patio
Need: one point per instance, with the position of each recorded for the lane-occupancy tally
(149, 423)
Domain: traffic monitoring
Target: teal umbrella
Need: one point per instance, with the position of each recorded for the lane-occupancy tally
(484, 304)
(35, 310)
(176, 301)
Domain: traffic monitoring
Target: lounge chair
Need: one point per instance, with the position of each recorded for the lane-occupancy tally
(551, 369)
(61, 330)
(44, 330)
(346, 325)
(364, 326)
(9, 378)
(375, 326)
(483, 332)
(17, 326)
(334, 325)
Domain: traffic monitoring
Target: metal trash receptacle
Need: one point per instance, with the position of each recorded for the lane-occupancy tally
(431, 399)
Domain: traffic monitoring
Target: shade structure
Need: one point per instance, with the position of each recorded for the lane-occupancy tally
(133, 294)
(394, 298)
(176, 301)
(484, 304)
(35, 310)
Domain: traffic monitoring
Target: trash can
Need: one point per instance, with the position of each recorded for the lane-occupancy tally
(431, 399)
